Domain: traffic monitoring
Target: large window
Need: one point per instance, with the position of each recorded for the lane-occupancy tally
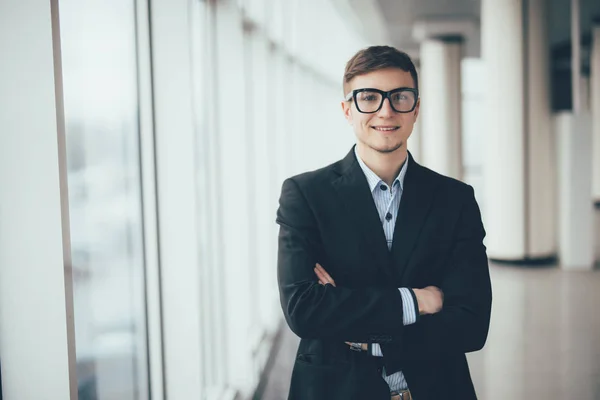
(101, 110)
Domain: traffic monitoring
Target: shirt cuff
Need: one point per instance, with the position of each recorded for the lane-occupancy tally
(376, 350)
(409, 306)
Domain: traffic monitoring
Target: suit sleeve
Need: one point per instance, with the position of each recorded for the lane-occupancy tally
(462, 325)
(325, 312)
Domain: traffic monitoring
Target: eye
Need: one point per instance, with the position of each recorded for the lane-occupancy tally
(403, 97)
(369, 97)
(397, 97)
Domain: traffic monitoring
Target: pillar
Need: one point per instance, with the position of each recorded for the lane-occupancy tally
(440, 92)
(595, 111)
(414, 142)
(574, 139)
(519, 163)
(37, 346)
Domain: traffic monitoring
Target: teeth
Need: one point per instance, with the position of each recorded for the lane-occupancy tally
(384, 129)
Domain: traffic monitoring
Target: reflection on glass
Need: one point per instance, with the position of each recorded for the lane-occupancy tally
(101, 105)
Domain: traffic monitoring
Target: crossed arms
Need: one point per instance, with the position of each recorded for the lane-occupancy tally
(429, 301)
(375, 314)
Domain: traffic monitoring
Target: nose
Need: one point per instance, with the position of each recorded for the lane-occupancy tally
(386, 108)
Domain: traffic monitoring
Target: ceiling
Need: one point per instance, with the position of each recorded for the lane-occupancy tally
(402, 23)
(401, 17)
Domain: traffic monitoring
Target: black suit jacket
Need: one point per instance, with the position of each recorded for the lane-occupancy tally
(328, 216)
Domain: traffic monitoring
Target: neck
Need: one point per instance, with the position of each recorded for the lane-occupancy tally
(386, 165)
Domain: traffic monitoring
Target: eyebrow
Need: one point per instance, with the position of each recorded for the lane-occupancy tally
(349, 95)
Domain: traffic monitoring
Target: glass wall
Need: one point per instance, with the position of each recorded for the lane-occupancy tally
(267, 82)
(98, 40)
(246, 94)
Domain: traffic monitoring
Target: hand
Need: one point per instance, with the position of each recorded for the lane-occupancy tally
(430, 300)
(323, 276)
(363, 346)
(324, 279)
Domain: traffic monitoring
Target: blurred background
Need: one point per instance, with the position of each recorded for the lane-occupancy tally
(143, 145)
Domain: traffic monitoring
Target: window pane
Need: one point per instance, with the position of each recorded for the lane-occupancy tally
(100, 92)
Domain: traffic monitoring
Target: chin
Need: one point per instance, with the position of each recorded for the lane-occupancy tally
(388, 148)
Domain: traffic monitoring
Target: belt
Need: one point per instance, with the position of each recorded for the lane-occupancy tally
(401, 395)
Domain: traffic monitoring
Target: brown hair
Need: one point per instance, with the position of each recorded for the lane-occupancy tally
(375, 58)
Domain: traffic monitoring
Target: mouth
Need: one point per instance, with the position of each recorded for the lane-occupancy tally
(385, 128)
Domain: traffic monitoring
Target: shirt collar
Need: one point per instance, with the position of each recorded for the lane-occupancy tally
(375, 180)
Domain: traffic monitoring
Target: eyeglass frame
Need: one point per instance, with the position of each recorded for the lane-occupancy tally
(384, 95)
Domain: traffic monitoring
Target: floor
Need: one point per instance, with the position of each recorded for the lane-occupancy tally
(544, 340)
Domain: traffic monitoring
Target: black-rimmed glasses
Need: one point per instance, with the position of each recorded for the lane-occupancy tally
(369, 100)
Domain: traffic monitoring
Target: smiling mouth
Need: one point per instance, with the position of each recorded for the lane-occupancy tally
(385, 128)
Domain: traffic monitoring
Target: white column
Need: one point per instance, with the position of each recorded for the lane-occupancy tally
(519, 215)
(575, 208)
(234, 221)
(37, 349)
(502, 51)
(415, 141)
(541, 228)
(574, 139)
(595, 109)
(178, 209)
(440, 92)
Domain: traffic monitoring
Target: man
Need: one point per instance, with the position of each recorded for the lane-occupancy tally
(382, 269)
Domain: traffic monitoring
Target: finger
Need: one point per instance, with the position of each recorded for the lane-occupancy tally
(325, 280)
(321, 282)
(322, 276)
(327, 276)
(363, 346)
(320, 268)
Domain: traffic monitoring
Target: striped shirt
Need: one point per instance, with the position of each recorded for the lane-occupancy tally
(387, 200)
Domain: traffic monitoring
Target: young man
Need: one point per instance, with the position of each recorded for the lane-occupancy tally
(382, 269)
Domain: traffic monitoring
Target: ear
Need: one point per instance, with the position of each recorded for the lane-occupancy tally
(347, 110)
(417, 108)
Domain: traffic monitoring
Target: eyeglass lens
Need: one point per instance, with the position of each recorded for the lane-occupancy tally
(402, 101)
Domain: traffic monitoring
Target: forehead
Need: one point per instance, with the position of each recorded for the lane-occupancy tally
(383, 79)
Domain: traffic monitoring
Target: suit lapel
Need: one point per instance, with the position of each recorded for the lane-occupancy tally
(354, 194)
(417, 197)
